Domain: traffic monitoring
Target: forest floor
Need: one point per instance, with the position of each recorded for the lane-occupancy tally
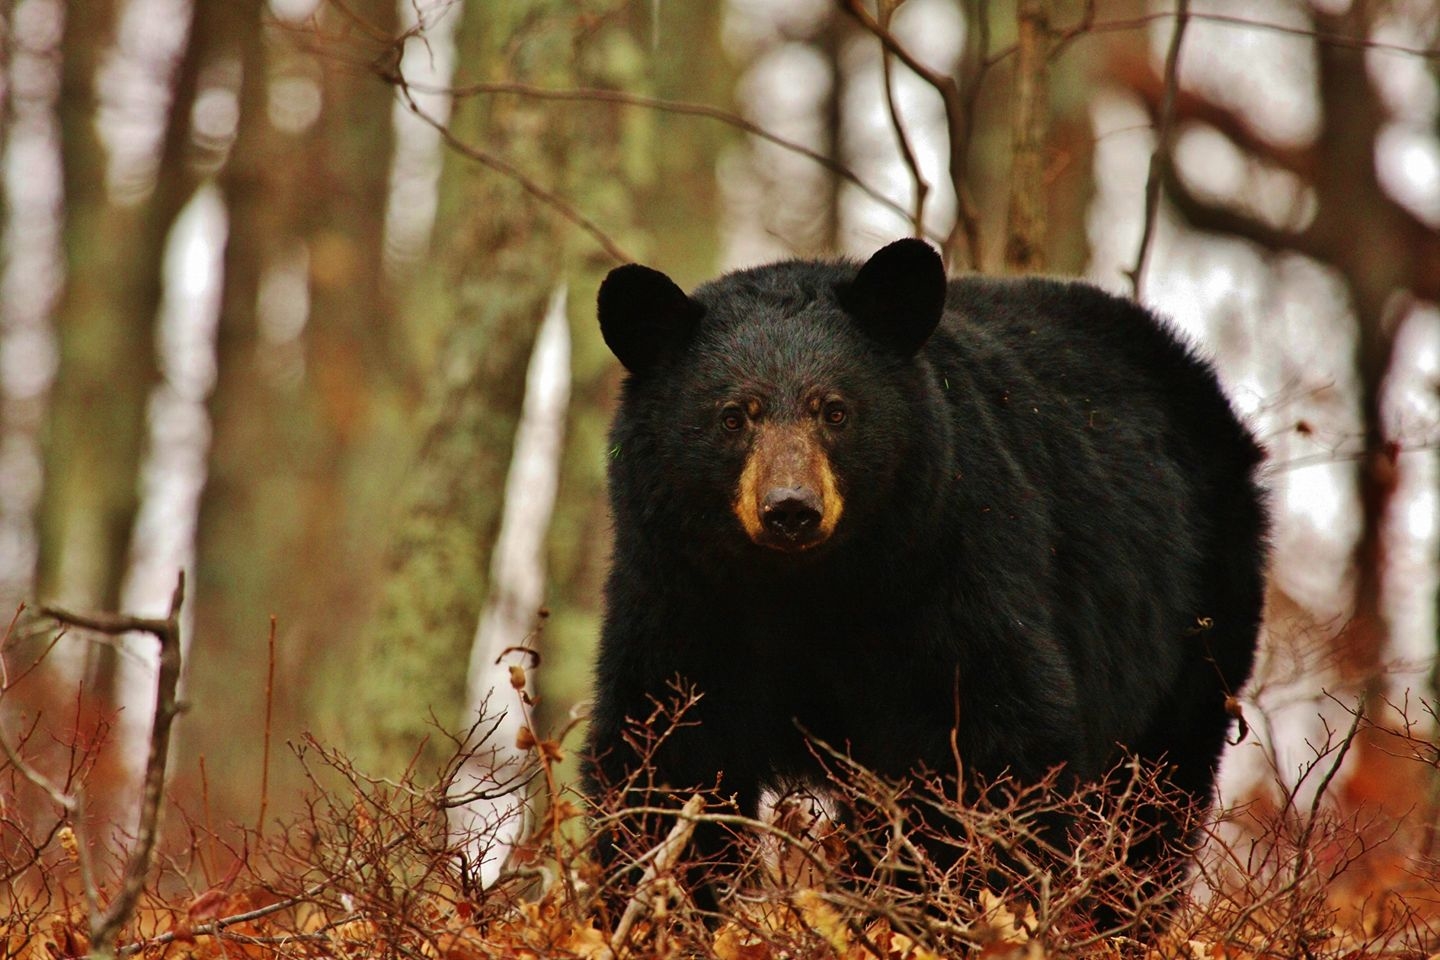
(373, 868)
(1343, 863)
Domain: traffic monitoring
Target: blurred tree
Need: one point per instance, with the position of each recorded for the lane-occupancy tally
(504, 246)
(669, 160)
(356, 358)
(1383, 252)
(114, 256)
(299, 438)
(88, 508)
(236, 528)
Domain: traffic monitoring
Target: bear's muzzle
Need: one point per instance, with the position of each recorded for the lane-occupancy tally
(787, 498)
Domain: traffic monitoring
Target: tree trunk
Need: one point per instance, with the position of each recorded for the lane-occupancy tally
(496, 824)
(236, 536)
(1025, 234)
(106, 324)
(498, 275)
(299, 467)
(92, 448)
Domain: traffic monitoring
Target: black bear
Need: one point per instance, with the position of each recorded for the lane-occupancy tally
(864, 504)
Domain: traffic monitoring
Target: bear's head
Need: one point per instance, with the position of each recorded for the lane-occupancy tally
(783, 394)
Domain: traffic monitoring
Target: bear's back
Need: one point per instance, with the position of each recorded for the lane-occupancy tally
(1130, 492)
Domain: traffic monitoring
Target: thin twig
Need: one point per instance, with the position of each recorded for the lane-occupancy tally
(1161, 157)
(1228, 20)
(265, 747)
(507, 169)
(1323, 787)
(41, 657)
(216, 928)
(1084, 25)
(62, 799)
(5, 642)
(902, 136)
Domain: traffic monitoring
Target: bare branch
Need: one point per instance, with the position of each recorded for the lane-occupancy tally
(902, 135)
(958, 116)
(1162, 158)
(5, 642)
(1064, 37)
(1324, 37)
(1220, 218)
(1341, 752)
(62, 799)
(1135, 73)
(662, 860)
(507, 169)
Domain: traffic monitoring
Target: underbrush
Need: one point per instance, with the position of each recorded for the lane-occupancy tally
(373, 867)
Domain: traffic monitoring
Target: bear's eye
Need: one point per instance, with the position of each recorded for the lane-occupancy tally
(835, 413)
(732, 418)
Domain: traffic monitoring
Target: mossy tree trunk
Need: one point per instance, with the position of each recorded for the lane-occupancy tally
(96, 423)
(503, 258)
(355, 357)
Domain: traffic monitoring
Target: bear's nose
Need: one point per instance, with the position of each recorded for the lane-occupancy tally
(791, 512)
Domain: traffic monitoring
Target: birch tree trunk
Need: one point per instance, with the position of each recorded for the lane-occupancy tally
(493, 821)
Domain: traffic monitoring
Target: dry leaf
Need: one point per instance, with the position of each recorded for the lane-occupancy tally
(903, 948)
(823, 919)
(69, 843)
(1007, 935)
(586, 941)
(734, 942)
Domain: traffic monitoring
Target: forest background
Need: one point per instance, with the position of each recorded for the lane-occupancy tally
(297, 297)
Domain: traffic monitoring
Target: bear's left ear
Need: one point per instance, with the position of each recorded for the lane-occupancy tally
(898, 296)
(644, 315)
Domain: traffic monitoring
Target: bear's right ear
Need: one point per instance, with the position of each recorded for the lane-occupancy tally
(898, 296)
(644, 315)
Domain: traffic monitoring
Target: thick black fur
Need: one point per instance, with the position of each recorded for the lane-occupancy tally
(1051, 518)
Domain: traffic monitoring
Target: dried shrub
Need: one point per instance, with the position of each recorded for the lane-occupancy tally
(1333, 866)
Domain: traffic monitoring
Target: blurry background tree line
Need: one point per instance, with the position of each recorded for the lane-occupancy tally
(298, 296)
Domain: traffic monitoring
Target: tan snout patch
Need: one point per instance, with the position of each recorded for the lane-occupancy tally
(786, 455)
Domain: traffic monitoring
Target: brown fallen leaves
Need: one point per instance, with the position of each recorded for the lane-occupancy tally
(805, 924)
(539, 929)
(372, 869)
